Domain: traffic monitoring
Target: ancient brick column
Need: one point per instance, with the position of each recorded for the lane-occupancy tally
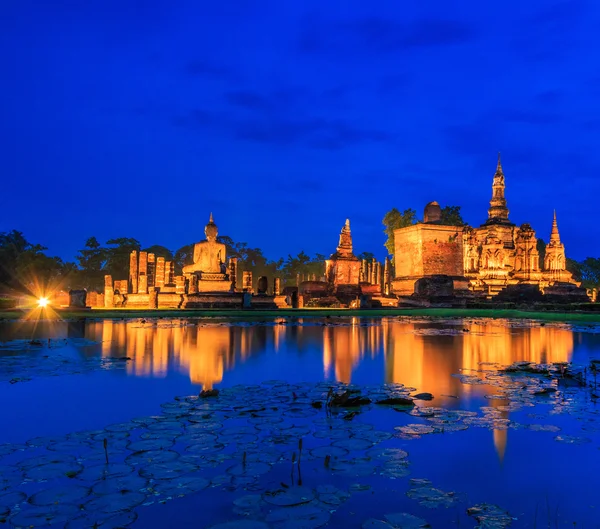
(247, 281)
(142, 273)
(109, 292)
(153, 298)
(151, 270)
(133, 271)
(377, 274)
(179, 285)
(159, 279)
(193, 284)
(277, 286)
(386, 276)
(233, 268)
(169, 273)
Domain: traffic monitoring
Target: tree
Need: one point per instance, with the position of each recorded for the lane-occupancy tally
(366, 256)
(394, 220)
(92, 260)
(117, 260)
(160, 251)
(24, 266)
(541, 248)
(590, 272)
(183, 257)
(451, 216)
(574, 267)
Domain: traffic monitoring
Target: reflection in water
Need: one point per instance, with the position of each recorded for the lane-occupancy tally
(423, 355)
(419, 354)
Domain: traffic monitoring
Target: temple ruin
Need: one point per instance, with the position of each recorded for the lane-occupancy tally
(485, 260)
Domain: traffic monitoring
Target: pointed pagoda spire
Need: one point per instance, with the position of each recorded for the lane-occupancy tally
(554, 235)
(498, 212)
(499, 166)
(211, 218)
(345, 245)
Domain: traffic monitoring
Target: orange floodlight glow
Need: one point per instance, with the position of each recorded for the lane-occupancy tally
(43, 302)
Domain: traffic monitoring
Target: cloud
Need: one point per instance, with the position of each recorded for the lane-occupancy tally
(380, 35)
(202, 68)
(247, 99)
(317, 132)
(549, 34)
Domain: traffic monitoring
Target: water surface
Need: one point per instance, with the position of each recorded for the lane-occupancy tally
(73, 380)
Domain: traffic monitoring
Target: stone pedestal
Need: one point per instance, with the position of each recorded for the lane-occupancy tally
(193, 284)
(179, 285)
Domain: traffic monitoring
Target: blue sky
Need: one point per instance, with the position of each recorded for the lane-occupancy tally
(137, 119)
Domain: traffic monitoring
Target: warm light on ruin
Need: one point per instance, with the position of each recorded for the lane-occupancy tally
(43, 302)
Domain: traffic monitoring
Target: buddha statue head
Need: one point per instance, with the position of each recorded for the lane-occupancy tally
(211, 230)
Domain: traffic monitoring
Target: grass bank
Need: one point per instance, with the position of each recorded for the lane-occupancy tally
(14, 315)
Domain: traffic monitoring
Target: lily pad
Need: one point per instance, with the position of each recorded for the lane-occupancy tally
(353, 443)
(103, 521)
(490, 516)
(332, 451)
(287, 497)
(241, 524)
(71, 494)
(151, 457)
(249, 469)
(168, 470)
(52, 470)
(115, 502)
(300, 517)
(331, 495)
(181, 486)
(150, 444)
(98, 472)
(42, 516)
(404, 520)
(119, 485)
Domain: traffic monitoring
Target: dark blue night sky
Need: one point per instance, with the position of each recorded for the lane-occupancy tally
(136, 119)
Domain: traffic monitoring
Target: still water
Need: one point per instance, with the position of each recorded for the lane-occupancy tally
(86, 375)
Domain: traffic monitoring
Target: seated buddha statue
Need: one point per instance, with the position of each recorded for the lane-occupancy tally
(209, 255)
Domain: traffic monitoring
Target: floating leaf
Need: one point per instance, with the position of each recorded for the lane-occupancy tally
(300, 517)
(42, 516)
(114, 502)
(241, 524)
(286, 497)
(180, 486)
(490, 516)
(114, 485)
(72, 494)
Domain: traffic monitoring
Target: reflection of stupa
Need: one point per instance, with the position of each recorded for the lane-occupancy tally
(418, 356)
(345, 346)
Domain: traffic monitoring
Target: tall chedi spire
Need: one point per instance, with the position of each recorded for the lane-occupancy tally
(498, 212)
(345, 245)
(555, 260)
(554, 235)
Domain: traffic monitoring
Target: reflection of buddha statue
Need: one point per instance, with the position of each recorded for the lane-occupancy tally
(209, 255)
